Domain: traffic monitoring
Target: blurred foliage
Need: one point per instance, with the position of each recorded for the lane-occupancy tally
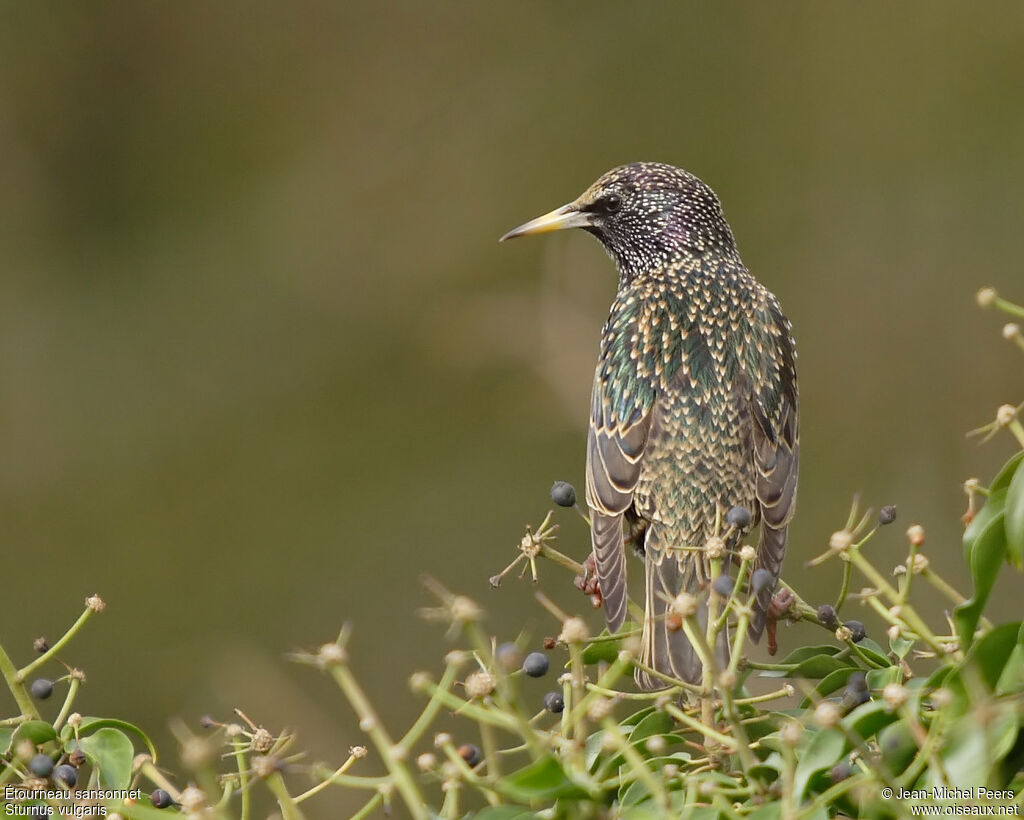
(931, 721)
(257, 339)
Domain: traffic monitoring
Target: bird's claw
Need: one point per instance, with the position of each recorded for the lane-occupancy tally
(587, 583)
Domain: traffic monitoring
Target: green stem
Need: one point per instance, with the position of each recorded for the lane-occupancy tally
(15, 684)
(697, 726)
(845, 587)
(289, 811)
(909, 616)
(1009, 307)
(50, 653)
(433, 706)
(65, 710)
(559, 558)
(637, 763)
(368, 719)
(327, 781)
(366, 810)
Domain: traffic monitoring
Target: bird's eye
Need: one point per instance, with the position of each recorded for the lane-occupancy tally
(611, 203)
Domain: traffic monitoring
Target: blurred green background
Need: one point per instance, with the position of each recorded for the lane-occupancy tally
(264, 362)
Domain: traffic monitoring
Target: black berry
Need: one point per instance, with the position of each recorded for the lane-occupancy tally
(41, 765)
(723, 585)
(554, 702)
(857, 682)
(840, 771)
(858, 630)
(563, 494)
(41, 688)
(77, 758)
(887, 514)
(827, 615)
(66, 774)
(738, 517)
(536, 665)
(762, 579)
(470, 753)
(160, 799)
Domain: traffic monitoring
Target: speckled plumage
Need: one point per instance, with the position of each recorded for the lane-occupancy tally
(695, 405)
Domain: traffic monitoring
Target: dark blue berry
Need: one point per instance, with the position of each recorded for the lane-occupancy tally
(66, 774)
(41, 765)
(554, 702)
(563, 494)
(857, 682)
(840, 772)
(762, 579)
(471, 754)
(536, 665)
(887, 514)
(160, 799)
(827, 615)
(738, 517)
(858, 630)
(41, 688)
(723, 585)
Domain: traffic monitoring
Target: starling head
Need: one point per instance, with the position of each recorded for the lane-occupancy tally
(647, 215)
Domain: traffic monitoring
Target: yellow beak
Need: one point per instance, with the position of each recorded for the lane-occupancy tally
(568, 216)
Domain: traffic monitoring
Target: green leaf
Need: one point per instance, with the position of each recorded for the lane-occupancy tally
(637, 813)
(900, 646)
(769, 811)
(832, 682)
(822, 752)
(544, 779)
(768, 770)
(820, 667)
(995, 506)
(89, 724)
(637, 716)
(880, 678)
(6, 736)
(1006, 474)
(656, 723)
(986, 556)
(805, 652)
(1014, 521)
(111, 752)
(504, 813)
(993, 650)
(868, 719)
(898, 747)
(873, 651)
(38, 731)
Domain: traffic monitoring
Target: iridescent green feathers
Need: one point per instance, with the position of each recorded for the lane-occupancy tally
(694, 408)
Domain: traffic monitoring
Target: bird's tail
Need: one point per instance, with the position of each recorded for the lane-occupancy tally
(665, 648)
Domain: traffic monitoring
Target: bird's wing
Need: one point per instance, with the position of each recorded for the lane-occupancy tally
(620, 419)
(776, 438)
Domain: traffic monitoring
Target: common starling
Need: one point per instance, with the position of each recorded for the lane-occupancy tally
(694, 408)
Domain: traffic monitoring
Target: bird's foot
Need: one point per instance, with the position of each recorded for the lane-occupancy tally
(587, 582)
(779, 608)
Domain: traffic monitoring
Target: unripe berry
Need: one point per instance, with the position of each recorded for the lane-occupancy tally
(471, 754)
